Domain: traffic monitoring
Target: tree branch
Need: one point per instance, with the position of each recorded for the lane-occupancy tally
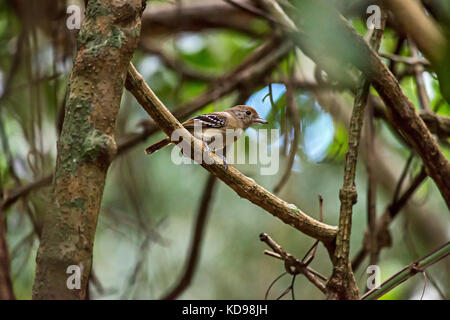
(242, 185)
(178, 66)
(6, 288)
(424, 101)
(292, 262)
(371, 183)
(247, 75)
(386, 168)
(382, 225)
(195, 16)
(425, 32)
(409, 271)
(294, 117)
(342, 283)
(406, 60)
(400, 109)
(86, 146)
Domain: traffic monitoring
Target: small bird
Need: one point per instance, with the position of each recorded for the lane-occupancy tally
(229, 124)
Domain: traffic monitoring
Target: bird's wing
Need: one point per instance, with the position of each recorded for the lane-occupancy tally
(210, 120)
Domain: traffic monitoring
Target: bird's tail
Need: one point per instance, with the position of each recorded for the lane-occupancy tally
(158, 145)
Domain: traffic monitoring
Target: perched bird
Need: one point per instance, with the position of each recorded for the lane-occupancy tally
(228, 124)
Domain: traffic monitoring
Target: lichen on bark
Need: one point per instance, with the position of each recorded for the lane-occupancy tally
(86, 146)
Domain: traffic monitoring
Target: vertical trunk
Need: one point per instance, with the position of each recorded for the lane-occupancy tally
(106, 42)
(6, 289)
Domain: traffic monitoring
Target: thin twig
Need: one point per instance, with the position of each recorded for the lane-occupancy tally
(415, 256)
(406, 60)
(371, 183)
(309, 256)
(424, 284)
(252, 10)
(408, 272)
(242, 185)
(406, 122)
(294, 117)
(403, 175)
(292, 262)
(247, 75)
(424, 100)
(272, 284)
(348, 195)
(392, 210)
(176, 65)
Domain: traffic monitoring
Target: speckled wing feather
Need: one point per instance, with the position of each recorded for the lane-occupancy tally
(211, 120)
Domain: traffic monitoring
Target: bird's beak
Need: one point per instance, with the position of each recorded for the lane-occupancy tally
(260, 120)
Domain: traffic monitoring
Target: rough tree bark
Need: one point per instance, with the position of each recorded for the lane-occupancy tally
(106, 43)
(342, 284)
(400, 110)
(6, 289)
(242, 185)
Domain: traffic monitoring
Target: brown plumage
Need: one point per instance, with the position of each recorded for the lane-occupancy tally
(229, 124)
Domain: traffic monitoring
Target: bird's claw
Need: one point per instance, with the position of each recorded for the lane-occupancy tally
(225, 163)
(206, 147)
(208, 150)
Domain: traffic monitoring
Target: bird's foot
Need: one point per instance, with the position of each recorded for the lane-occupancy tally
(225, 163)
(206, 147)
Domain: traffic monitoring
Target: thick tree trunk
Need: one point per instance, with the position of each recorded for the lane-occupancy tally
(6, 289)
(106, 42)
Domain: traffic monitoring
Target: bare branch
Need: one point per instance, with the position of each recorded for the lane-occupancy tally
(10, 197)
(424, 31)
(195, 16)
(6, 288)
(294, 117)
(406, 60)
(245, 76)
(174, 64)
(241, 184)
(409, 271)
(292, 262)
(382, 224)
(371, 182)
(400, 109)
(424, 100)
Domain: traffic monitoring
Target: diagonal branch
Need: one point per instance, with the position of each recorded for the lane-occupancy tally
(424, 100)
(242, 185)
(294, 117)
(318, 21)
(431, 230)
(292, 262)
(408, 272)
(173, 63)
(6, 287)
(247, 75)
(382, 235)
(424, 31)
(198, 15)
(342, 281)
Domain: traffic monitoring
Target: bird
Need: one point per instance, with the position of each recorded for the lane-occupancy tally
(228, 124)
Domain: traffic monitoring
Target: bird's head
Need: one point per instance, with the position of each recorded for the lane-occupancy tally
(247, 115)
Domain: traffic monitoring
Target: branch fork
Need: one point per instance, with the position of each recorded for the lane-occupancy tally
(293, 265)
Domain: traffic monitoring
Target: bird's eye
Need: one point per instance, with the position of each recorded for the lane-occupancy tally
(248, 113)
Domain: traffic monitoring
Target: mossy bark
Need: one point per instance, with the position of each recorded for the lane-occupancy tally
(106, 43)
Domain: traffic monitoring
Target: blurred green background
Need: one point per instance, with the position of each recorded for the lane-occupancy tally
(150, 204)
